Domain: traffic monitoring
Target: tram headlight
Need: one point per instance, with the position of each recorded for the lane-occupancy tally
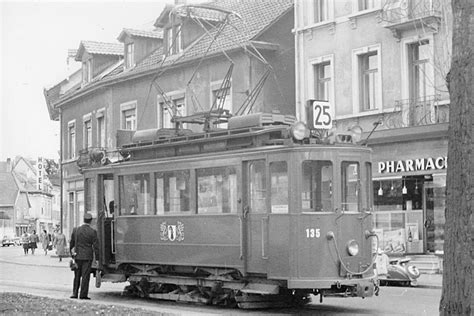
(353, 247)
(299, 131)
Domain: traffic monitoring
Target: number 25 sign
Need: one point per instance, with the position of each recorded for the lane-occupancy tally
(319, 114)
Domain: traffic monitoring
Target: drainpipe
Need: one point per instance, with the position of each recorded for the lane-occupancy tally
(61, 169)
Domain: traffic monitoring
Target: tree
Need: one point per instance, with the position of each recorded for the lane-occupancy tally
(457, 290)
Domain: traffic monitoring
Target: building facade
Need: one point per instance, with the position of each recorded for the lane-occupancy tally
(382, 66)
(152, 79)
(27, 197)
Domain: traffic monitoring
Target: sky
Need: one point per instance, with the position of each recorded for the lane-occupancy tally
(34, 40)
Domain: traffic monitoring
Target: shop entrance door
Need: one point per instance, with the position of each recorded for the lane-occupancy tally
(435, 204)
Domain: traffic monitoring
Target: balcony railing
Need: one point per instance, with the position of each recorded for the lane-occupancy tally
(401, 15)
(90, 157)
(417, 112)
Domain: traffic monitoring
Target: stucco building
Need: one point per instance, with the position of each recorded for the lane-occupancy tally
(187, 62)
(382, 65)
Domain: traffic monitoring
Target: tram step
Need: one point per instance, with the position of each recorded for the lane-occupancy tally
(180, 297)
(114, 278)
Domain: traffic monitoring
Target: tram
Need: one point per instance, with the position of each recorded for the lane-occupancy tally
(262, 213)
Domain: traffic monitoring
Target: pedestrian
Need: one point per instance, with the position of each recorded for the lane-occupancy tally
(25, 240)
(381, 263)
(33, 240)
(83, 246)
(60, 243)
(45, 239)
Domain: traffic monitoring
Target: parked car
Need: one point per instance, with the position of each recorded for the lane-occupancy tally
(400, 272)
(16, 241)
(6, 241)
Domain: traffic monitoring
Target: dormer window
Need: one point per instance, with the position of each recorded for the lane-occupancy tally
(129, 55)
(87, 71)
(174, 43)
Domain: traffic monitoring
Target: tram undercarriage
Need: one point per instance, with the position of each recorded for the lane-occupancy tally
(216, 286)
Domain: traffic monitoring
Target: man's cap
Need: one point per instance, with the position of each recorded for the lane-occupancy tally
(87, 216)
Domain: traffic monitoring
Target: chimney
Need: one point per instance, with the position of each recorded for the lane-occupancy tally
(9, 165)
(71, 54)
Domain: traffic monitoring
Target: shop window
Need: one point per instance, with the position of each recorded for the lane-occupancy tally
(350, 186)
(216, 190)
(135, 194)
(172, 192)
(316, 194)
(398, 216)
(279, 187)
(257, 187)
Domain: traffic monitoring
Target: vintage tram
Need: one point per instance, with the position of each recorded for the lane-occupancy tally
(259, 214)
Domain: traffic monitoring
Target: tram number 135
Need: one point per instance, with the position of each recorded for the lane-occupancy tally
(313, 232)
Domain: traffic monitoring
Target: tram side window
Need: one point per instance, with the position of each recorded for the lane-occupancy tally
(172, 192)
(135, 194)
(258, 189)
(350, 176)
(316, 195)
(216, 190)
(279, 187)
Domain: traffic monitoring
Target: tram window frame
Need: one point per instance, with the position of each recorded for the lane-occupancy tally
(90, 198)
(135, 205)
(207, 183)
(182, 178)
(344, 187)
(369, 186)
(257, 186)
(279, 192)
(321, 197)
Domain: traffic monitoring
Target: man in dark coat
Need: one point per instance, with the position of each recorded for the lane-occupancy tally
(83, 246)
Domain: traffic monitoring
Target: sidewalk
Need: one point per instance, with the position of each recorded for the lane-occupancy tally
(430, 280)
(15, 254)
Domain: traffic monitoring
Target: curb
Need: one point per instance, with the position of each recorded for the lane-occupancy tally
(33, 264)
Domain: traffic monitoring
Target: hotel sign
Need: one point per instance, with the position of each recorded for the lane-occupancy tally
(419, 164)
(40, 174)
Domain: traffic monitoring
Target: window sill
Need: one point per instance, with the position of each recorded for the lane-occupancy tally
(315, 26)
(359, 114)
(363, 12)
(70, 160)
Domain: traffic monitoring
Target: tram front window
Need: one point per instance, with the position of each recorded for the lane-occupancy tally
(316, 195)
(350, 186)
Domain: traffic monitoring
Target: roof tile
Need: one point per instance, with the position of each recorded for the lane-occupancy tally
(103, 48)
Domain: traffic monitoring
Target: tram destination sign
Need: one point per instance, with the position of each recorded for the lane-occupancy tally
(319, 114)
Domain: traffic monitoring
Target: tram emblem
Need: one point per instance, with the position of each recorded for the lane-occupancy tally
(172, 232)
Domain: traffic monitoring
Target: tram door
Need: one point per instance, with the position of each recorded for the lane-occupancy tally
(255, 216)
(105, 222)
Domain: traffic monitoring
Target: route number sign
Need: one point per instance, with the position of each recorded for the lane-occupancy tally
(319, 114)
